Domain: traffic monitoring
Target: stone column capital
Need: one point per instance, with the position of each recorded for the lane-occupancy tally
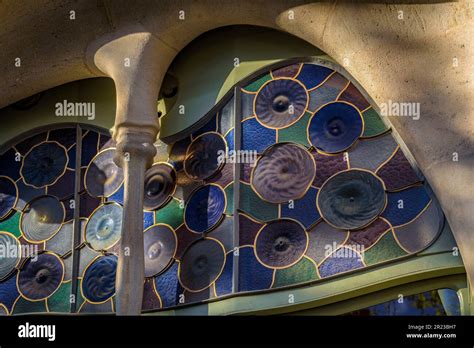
(136, 143)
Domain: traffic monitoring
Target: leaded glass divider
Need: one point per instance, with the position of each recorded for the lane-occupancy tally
(76, 239)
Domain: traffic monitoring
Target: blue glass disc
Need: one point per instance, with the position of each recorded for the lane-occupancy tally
(335, 127)
(281, 103)
(42, 218)
(39, 278)
(351, 199)
(203, 156)
(160, 246)
(281, 243)
(44, 164)
(104, 227)
(103, 177)
(98, 284)
(205, 208)
(201, 264)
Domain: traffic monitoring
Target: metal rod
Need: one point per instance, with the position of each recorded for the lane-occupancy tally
(237, 146)
(76, 234)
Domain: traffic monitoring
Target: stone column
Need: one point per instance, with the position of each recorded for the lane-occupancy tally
(135, 152)
(136, 61)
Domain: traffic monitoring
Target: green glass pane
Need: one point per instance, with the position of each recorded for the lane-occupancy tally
(296, 132)
(255, 86)
(171, 214)
(12, 225)
(303, 271)
(229, 193)
(251, 204)
(385, 249)
(373, 124)
(24, 306)
(60, 301)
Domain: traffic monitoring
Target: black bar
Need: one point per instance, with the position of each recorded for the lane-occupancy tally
(290, 331)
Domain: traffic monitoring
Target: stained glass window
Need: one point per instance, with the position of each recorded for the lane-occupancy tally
(40, 235)
(293, 179)
(331, 167)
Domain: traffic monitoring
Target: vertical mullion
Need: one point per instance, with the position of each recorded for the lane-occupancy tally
(237, 148)
(76, 234)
